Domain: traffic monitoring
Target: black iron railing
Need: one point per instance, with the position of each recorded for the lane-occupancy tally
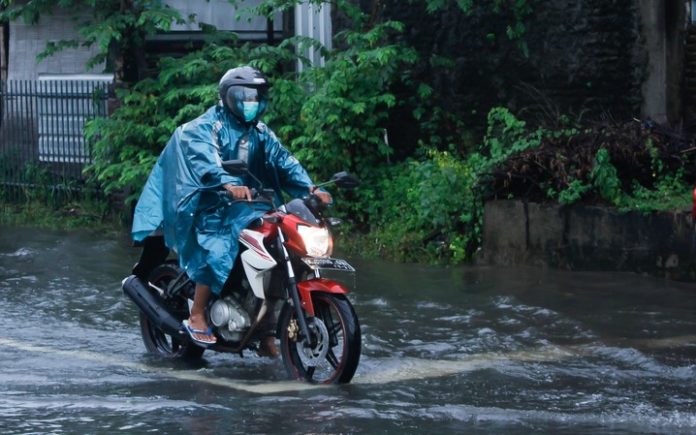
(42, 142)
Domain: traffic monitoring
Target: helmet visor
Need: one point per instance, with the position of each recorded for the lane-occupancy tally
(237, 96)
(243, 93)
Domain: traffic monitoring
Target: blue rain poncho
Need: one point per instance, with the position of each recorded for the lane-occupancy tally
(184, 198)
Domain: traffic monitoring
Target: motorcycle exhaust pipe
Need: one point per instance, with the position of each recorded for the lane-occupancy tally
(151, 305)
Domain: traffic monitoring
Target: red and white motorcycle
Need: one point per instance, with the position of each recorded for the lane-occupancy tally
(281, 257)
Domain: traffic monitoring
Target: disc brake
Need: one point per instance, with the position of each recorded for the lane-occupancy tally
(311, 356)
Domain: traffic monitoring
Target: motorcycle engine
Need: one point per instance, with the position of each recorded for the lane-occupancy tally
(230, 318)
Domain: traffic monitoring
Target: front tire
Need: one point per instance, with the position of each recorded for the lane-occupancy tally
(334, 358)
(157, 341)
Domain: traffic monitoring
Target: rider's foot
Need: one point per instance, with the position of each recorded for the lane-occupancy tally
(268, 347)
(199, 331)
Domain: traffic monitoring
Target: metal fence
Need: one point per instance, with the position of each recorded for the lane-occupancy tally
(42, 142)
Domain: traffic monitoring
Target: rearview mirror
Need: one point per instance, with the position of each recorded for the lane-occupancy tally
(235, 167)
(345, 180)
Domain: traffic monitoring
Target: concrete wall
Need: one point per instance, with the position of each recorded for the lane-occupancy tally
(3, 52)
(588, 238)
(27, 41)
(664, 26)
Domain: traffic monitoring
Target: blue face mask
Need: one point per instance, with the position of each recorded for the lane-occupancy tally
(251, 109)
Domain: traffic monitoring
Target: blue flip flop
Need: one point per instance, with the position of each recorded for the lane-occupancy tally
(206, 332)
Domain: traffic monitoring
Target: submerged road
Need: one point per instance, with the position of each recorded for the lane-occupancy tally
(445, 350)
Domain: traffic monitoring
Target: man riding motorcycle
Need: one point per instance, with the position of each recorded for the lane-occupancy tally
(181, 197)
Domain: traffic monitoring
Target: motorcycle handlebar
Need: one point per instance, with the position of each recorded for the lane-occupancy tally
(256, 197)
(313, 202)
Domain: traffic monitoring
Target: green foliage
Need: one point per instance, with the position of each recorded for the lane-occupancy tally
(420, 216)
(127, 144)
(671, 192)
(432, 208)
(507, 135)
(428, 206)
(439, 128)
(655, 162)
(33, 182)
(605, 178)
(83, 212)
(333, 116)
(48, 200)
(575, 190)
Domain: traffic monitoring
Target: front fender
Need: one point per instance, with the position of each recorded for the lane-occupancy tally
(306, 288)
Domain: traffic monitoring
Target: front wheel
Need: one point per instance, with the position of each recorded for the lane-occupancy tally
(334, 357)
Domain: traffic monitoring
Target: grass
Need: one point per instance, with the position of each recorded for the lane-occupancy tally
(84, 214)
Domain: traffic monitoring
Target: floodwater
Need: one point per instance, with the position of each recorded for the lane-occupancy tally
(445, 350)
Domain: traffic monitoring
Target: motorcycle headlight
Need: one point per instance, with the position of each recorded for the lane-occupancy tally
(317, 241)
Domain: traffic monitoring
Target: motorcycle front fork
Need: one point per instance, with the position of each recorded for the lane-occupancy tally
(294, 292)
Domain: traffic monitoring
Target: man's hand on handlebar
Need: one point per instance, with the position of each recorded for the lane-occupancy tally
(238, 192)
(325, 197)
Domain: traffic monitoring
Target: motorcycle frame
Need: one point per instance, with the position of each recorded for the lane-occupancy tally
(258, 262)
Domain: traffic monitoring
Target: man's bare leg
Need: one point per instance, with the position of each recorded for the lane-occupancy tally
(268, 347)
(197, 319)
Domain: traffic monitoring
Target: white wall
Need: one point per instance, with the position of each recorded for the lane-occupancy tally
(222, 15)
(27, 41)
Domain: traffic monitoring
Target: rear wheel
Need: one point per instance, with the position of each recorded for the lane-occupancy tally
(157, 341)
(334, 357)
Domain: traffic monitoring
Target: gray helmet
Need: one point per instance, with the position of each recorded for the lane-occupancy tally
(244, 92)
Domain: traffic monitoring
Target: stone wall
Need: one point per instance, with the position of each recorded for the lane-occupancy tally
(581, 237)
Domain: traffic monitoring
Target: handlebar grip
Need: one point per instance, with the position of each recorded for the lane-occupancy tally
(314, 202)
